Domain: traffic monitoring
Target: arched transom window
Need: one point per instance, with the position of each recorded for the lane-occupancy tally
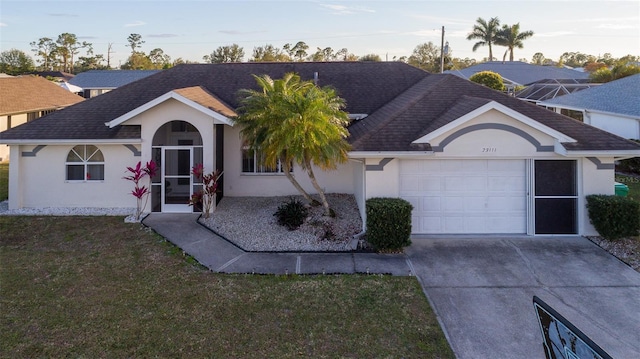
(85, 163)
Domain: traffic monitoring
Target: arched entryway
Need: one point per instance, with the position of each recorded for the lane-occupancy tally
(176, 148)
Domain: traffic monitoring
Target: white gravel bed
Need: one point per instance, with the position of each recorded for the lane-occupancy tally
(249, 222)
(64, 211)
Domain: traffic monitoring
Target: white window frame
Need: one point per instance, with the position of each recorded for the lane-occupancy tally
(85, 163)
(258, 169)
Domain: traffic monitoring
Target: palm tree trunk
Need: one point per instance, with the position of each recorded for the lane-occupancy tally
(287, 173)
(314, 182)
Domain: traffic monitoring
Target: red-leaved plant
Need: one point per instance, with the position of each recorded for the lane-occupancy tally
(207, 196)
(140, 190)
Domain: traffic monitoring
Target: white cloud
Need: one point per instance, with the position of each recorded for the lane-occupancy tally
(441, 20)
(2, 24)
(135, 23)
(617, 26)
(346, 10)
(553, 34)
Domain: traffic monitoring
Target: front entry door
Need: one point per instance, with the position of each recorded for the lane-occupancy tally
(177, 182)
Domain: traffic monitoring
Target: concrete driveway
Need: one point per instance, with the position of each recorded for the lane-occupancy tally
(482, 288)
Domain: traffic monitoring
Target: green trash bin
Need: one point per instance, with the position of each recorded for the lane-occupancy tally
(621, 189)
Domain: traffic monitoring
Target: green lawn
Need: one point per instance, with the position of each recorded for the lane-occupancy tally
(96, 287)
(4, 181)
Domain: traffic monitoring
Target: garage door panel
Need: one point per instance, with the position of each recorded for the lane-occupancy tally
(499, 203)
(431, 204)
(506, 183)
(465, 196)
(515, 166)
(459, 184)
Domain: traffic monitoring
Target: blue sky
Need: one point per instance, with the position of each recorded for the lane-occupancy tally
(192, 29)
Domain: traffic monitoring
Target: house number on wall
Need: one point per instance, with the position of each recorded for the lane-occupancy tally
(489, 149)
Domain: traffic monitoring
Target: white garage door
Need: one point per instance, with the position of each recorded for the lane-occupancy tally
(465, 196)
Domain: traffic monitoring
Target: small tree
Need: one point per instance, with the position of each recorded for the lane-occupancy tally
(488, 78)
(290, 120)
(141, 191)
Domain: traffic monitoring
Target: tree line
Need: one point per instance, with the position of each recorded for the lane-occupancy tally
(66, 53)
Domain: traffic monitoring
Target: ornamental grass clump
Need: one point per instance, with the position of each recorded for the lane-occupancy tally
(207, 196)
(140, 190)
(291, 214)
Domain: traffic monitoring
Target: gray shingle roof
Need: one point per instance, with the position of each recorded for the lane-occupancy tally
(621, 96)
(521, 73)
(109, 79)
(403, 103)
(440, 99)
(365, 86)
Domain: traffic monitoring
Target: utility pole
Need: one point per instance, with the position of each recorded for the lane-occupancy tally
(109, 52)
(442, 52)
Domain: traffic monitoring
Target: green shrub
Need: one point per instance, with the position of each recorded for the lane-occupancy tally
(291, 214)
(613, 216)
(388, 223)
(488, 78)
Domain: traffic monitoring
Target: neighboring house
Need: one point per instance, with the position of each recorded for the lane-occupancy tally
(59, 76)
(469, 159)
(517, 74)
(97, 82)
(25, 98)
(549, 89)
(613, 106)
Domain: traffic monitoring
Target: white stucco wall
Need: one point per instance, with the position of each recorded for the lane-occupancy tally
(238, 184)
(173, 110)
(4, 125)
(359, 187)
(622, 126)
(594, 181)
(40, 181)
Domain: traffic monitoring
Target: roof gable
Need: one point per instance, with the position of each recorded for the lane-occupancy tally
(493, 105)
(195, 97)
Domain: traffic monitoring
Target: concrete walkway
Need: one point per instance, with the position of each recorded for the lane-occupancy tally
(221, 256)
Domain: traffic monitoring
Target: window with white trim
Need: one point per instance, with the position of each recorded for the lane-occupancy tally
(251, 163)
(85, 163)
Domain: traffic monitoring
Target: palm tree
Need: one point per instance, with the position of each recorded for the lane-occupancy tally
(511, 37)
(290, 120)
(486, 33)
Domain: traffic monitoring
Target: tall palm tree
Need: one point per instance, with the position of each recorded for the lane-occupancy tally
(290, 120)
(511, 37)
(485, 31)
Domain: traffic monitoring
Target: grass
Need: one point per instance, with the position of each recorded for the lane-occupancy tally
(96, 287)
(4, 181)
